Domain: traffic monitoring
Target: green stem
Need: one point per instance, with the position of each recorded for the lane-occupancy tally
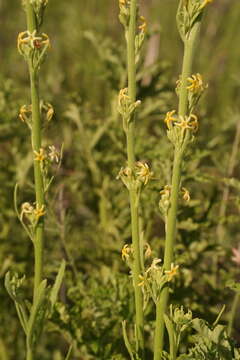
(171, 221)
(36, 145)
(233, 313)
(29, 354)
(132, 193)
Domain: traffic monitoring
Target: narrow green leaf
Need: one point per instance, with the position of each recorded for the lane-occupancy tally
(57, 283)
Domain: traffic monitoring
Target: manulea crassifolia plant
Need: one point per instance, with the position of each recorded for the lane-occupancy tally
(137, 174)
(33, 46)
(181, 126)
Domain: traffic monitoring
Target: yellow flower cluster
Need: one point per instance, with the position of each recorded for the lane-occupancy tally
(184, 122)
(196, 83)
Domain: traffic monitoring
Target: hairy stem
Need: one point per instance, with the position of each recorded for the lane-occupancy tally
(132, 193)
(171, 221)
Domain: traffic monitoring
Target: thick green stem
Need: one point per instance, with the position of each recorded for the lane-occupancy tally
(36, 145)
(171, 221)
(29, 354)
(132, 193)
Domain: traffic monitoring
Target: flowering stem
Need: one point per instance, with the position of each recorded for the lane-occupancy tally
(132, 192)
(36, 145)
(171, 221)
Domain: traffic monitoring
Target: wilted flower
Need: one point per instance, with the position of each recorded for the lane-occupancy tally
(143, 172)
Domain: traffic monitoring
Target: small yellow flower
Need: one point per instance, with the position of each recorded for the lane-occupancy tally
(186, 194)
(123, 96)
(40, 156)
(33, 41)
(169, 118)
(39, 211)
(126, 250)
(122, 2)
(143, 172)
(172, 272)
(143, 25)
(188, 122)
(28, 38)
(50, 113)
(142, 280)
(205, 2)
(166, 191)
(196, 83)
(148, 251)
(25, 112)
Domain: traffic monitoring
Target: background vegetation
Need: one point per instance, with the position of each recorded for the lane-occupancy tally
(89, 220)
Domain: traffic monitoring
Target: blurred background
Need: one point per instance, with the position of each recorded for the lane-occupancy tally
(88, 217)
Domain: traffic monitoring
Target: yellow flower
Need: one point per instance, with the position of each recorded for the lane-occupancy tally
(188, 122)
(169, 118)
(39, 211)
(143, 172)
(166, 191)
(33, 41)
(143, 280)
(148, 251)
(50, 112)
(123, 96)
(39, 156)
(172, 272)
(126, 250)
(143, 25)
(186, 194)
(196, 83)
(25, 112)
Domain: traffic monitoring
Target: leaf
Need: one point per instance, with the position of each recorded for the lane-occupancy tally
(57, 284)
